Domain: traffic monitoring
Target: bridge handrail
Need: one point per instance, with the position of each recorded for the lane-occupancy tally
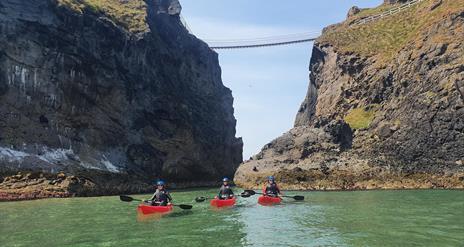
(387, 13)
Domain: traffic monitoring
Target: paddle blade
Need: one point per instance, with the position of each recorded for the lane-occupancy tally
(250, 192)
(299, 198)
(200, 199)
(243, 194)
(184, 206)
(126, 198)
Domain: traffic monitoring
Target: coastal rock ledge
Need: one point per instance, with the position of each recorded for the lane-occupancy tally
(103, 97)
(384, 108)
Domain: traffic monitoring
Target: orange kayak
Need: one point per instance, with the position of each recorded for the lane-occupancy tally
(223, 203)
(147, 209)
(268, 200)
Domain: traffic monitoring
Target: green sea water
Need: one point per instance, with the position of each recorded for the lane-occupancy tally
(360, 218)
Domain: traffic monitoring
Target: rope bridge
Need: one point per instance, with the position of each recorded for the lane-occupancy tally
(263, 42)
(295, 38)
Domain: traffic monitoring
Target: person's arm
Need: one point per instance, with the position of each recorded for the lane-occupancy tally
(278, 190)
(154, 195)
(228, 192)
(221, 190)
(168, 195)
(264, 189)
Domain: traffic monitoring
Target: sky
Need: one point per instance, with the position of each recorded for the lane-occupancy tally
(268, 84)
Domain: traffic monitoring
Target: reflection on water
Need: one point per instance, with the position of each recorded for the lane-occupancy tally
(157, 216)
(282, 225)
(364, 218)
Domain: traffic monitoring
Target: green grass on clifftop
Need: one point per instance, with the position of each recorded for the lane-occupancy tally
(129, 14)
(361, 118)
(385, 37)
(374, 11)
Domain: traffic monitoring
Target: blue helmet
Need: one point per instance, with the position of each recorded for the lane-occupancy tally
(270, 178)
(225, 179)
(160, 183)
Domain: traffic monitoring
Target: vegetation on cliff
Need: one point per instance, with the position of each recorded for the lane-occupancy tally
(130, 14)
(386, 37)
(360, 118)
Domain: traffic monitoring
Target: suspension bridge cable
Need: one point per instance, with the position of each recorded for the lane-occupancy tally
(263, 41)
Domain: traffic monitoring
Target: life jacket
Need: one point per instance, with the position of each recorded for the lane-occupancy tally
(272, 189)
(225, 191)
(162, 196)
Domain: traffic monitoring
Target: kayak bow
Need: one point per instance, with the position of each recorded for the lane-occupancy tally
(268, 200)
(146, 209)
(223, 203)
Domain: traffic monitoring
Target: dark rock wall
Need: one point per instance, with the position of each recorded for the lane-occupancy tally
(78, 92)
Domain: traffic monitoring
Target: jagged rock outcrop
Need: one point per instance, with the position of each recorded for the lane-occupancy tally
(402, 100)
(111, 90)
(353, 11)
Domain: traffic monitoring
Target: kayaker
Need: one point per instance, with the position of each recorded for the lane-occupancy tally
(161, 196)
(271, 188)
(225, 192)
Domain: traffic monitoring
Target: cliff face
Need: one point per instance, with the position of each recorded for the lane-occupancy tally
(111, 93)
(384, 108)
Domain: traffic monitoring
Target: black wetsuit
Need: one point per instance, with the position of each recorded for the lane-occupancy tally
(271, 189)
(160, 198)
(225, 192)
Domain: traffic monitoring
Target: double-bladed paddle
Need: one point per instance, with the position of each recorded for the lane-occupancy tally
(202, 198)
(252, 192)
(130, 199)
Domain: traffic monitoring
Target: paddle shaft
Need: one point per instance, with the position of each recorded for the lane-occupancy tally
(202, 199)
(176, 205)
(209, 198)
(259, 193)
(298, 198)
(128, 199)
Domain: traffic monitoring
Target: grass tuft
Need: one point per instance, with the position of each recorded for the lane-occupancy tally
(361, 118)
(130, 14)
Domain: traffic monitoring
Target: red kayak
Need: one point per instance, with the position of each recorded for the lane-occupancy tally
(223, 203)
(146, 209)
(268, 200)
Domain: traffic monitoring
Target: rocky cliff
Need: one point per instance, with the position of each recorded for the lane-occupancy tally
(102, 97)
(384, 108)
